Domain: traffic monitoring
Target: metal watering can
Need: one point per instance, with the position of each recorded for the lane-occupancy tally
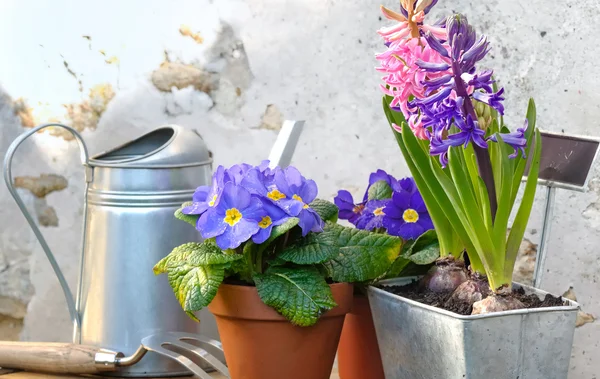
(131, 194)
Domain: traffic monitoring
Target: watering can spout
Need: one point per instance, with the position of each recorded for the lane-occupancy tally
(36, 230)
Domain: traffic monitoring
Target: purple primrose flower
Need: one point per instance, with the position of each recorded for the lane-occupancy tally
(234, 219)
(274, 216)
(347, 209)
(373, 214)
(293, 193)
(245, 202)
(406, 215)
(207, 197)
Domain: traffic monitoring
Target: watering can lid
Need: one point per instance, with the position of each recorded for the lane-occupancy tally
(169, 146)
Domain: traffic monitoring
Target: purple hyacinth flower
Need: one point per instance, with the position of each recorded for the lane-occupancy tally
(347, 209)
(494, 100)
(406, 215)
(234, 219)
(274, 216)
(516, 140)
(469, 132)
(204, 199)
(372, 216)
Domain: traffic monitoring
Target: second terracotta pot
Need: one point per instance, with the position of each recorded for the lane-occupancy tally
(358, 352)
(259, 343)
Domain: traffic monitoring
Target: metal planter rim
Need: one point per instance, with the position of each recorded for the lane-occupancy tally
(573, 306)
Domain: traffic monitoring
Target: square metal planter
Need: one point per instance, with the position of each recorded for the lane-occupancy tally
(418, 341)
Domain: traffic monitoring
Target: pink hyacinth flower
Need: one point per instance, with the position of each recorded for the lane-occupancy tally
(402, 75)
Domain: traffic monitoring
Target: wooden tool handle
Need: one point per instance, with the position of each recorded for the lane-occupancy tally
(59, 358)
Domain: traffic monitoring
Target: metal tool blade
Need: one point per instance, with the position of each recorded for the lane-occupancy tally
(285, 144)
(158, 343)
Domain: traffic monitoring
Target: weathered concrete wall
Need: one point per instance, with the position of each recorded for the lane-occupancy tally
(123, 72)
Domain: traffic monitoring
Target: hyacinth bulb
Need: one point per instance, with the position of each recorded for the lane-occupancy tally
(471, 291)
(496, 303)
(445, 276)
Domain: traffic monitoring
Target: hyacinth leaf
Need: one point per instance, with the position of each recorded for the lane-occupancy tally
(195, 286)
(299, 294)
(380, 190)
(190, 219)
(495, 89)
(327, 210)
(520, 162)
(441, 223)
(496, 159)
(471, 218)
(194, 254)
(439, 185)
(520, 223)
(485, 204)
(312, 249)
(504, 206)
(360, 255)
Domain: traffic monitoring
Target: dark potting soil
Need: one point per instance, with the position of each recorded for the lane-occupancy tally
(414, 291)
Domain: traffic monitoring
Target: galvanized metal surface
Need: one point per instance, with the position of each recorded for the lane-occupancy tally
(418, 341)
(133, 192)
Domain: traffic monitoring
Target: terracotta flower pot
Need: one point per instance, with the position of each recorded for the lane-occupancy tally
(259, 343)
(358, 352)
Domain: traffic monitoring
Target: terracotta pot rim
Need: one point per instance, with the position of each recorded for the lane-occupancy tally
(242, 302)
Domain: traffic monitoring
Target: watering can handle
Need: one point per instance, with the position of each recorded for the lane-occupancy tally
(9, 183)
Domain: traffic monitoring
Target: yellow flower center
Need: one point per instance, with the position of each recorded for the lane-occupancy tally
(232, 216)
(296, 197)
(410, 216)
(265, 222)
(358, 208)
(275, 195)
(212, 202)
(379, 212)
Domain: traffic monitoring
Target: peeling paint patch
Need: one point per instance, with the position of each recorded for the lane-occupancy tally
(48, 217)
(525, 264)
(112, 60)
(272, 118)
(24, 112)
(73, 74)
(86, 115)
(582, 317)
(179, 75)
(186, 31)
(42, 185)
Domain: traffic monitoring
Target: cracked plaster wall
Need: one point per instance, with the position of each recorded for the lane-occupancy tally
(308, 59)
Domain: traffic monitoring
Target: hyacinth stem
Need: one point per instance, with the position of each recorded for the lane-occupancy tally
(484, 163)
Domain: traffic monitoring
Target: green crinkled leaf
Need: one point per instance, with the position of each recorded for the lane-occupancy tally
(361, 255)
(380, 190)
(300, 294)
(312, 249)
(190, 219)
(280, 230)
(426, 255)
(424, 250)
(397, 267)
(195, 286)
(327, 210)
(194, 254)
